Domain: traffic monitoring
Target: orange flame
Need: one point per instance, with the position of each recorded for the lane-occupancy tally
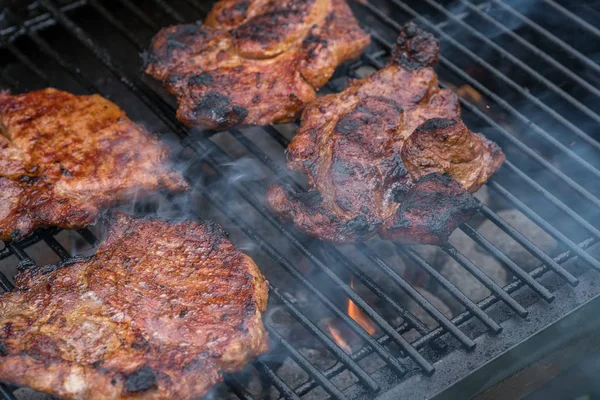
(339, 338)
(356, 314)
(470, 93)
(344, 338)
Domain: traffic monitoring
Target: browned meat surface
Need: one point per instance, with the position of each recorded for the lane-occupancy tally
(254, 62)
(159, 312)
(64, 157)
(380, 155)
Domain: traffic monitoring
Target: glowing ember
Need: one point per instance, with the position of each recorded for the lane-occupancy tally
(356, 314)
(338, 337)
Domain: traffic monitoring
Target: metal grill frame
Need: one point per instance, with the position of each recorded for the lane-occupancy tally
(508, 305)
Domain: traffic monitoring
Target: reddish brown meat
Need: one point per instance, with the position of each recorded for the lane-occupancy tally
(379, 156)
(254, 62)
(159, 312)
(65, 157)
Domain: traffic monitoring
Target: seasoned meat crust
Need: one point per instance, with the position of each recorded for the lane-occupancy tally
(64, 157)
(388, 155)
(254, 62)
(159, 312)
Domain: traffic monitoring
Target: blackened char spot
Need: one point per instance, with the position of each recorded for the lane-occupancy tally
(175, 44)
(347, 126)
(140, 380)
(443, 206)
(65, 171)
(242, 6)
(358, 225)
(400, 190)
(436, 123)
(140, 343)
(202, 79)
(3, 350)
(217, 108)
(177, 40)
(340, 167)
(402, 223)
(173, 79)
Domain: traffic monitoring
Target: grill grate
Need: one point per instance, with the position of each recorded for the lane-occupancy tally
(523, 183)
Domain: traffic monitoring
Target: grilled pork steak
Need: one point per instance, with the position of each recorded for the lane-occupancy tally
(254, 62)
(381, 154)
(64, 157)
(159, 312)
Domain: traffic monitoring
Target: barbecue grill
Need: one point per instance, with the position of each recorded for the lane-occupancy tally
(373, 320)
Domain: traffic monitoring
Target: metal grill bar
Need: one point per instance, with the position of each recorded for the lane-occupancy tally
(508, 263)
(511, 288)
(280, 385)
(574, 17)
(238, 389)
(526, 243)
(325, 340)
(197, 6)
(41, 21)
(484, 279)
(45, 47)
(303, 362)
(170, 11)
(140, 14)
(460, 296)
(534, 49)
(555, 201)
(56, 247)
(417, 297)
(537, 76)
(24, 59)
(548, 35)
(117, 24)
(6, 393)
(5, 283)
(459, 319)
(542, 223)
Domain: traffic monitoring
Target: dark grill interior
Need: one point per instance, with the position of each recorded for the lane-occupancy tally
(527, 79)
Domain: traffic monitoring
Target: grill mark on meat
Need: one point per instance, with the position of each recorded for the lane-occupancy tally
(379, 152)
(113, 325)
(293, 46)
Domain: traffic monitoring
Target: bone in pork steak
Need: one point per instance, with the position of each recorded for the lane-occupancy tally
(254, 62)
(64, 157)
(159, 312)
(388, 155)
